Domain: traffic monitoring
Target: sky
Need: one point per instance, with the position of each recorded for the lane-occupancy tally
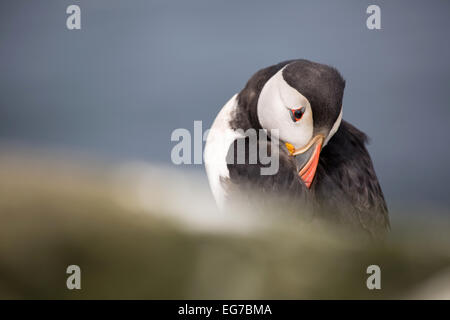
(137, 70)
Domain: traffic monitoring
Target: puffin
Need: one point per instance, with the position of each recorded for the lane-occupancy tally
(323, 162)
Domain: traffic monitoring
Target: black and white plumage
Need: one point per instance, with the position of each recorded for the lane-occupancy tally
(322, 159)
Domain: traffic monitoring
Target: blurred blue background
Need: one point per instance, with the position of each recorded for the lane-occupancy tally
(137, 70)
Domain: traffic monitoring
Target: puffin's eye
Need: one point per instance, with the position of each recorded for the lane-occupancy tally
(297, 114)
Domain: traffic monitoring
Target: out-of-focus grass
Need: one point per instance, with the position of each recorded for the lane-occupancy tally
(139, 232)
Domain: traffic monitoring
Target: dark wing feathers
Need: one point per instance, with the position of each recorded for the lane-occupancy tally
(284, 187)
(346, 187)
(345, 190)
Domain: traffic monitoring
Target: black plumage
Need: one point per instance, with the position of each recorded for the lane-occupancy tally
(285, 184)
(345, 189)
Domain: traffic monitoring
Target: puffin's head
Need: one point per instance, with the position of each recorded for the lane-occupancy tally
(304, 102)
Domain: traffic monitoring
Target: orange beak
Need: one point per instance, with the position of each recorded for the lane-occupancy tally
(308, 171)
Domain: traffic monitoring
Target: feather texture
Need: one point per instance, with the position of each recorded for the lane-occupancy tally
(346, 188)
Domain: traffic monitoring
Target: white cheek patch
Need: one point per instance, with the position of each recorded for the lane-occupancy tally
(275, 101)
(269, 110)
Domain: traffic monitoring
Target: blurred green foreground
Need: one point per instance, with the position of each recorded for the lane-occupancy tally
(146, 233)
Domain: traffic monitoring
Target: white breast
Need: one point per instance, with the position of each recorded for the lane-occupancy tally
(220, 137)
